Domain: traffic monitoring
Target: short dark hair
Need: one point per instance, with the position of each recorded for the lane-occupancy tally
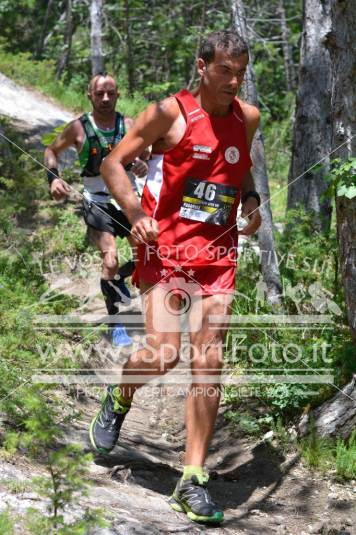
(93, 79)
(226, 40)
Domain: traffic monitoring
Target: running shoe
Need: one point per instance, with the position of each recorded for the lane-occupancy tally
(119, 336)
(192, 498)
(105, 427)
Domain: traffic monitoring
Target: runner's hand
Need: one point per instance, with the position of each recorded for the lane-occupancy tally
(139, 167)
(59, 189)
(145, 229)
(251, 211)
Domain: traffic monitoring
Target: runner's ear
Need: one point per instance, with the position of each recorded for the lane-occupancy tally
(201, 67)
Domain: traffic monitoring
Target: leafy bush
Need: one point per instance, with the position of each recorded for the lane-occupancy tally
(308, 265)
(244, 421)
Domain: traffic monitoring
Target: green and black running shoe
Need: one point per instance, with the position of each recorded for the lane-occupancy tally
(105, 427)
(192, 498)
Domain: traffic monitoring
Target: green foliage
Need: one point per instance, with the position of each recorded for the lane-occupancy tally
(311, 286)
(36, 523)
(6, 524)
(325, 454)
(41, 75)
(35, 412)
(49, 137)
(67, 480)
(40, 424)
(285, 438)
(346, 457)
(67, 467)
(270, 78)
(244, 421)
(71, 235)
(15, 486)
(317, 451)
(161, 58)
(342, 178)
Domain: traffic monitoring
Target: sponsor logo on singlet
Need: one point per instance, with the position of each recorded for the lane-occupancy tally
(232, 155)
(201, 152)
(202, 148)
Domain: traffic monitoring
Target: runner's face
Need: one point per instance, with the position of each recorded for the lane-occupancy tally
(223, 77)
(104, 95)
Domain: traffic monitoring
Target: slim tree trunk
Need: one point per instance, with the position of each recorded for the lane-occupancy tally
(97, 59)
(287, 49)
(40, 45)
(64, 58)
(312, 127)
(342, 47)
(201, 31)
(129, 55)
(269, 262)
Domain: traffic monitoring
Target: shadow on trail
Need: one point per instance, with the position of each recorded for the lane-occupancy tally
(136, 468)
(231, 489)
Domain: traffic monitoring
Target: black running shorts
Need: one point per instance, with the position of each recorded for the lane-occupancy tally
(107, 218)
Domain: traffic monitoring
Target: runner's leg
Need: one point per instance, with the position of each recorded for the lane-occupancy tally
(161, 351)
(106, 244)
(113, 286)
(206, 360)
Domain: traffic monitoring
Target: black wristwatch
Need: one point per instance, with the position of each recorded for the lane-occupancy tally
(253, 194)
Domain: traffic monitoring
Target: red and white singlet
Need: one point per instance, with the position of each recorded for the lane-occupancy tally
(193, 191)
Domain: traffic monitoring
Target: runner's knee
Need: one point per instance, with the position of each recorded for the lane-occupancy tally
(110, 262)
(208, 356)
(163, 351)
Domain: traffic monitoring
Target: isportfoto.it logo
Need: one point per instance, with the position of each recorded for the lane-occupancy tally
(177, 306)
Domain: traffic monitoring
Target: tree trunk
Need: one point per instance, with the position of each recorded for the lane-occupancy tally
(338, 415)
(287, 50)
(201, 31)
(97, 59)
(312, 127)
(342, 47)
(40, 46)
(335, 417)
(129, 55)
(64, 58)
(269, 264)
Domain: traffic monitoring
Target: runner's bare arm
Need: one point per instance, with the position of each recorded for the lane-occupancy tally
(151, 125)
(140, 166)
(250, 208)
(71, 136)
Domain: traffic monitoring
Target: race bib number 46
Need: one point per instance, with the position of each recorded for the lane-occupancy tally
(207, 202)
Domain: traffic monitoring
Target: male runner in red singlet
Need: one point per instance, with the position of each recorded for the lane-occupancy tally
(199, 172)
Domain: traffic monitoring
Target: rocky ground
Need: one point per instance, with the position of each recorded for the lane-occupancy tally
(262, 490)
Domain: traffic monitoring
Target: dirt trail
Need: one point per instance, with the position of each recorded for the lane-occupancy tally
(29, 107)
(261, 490)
